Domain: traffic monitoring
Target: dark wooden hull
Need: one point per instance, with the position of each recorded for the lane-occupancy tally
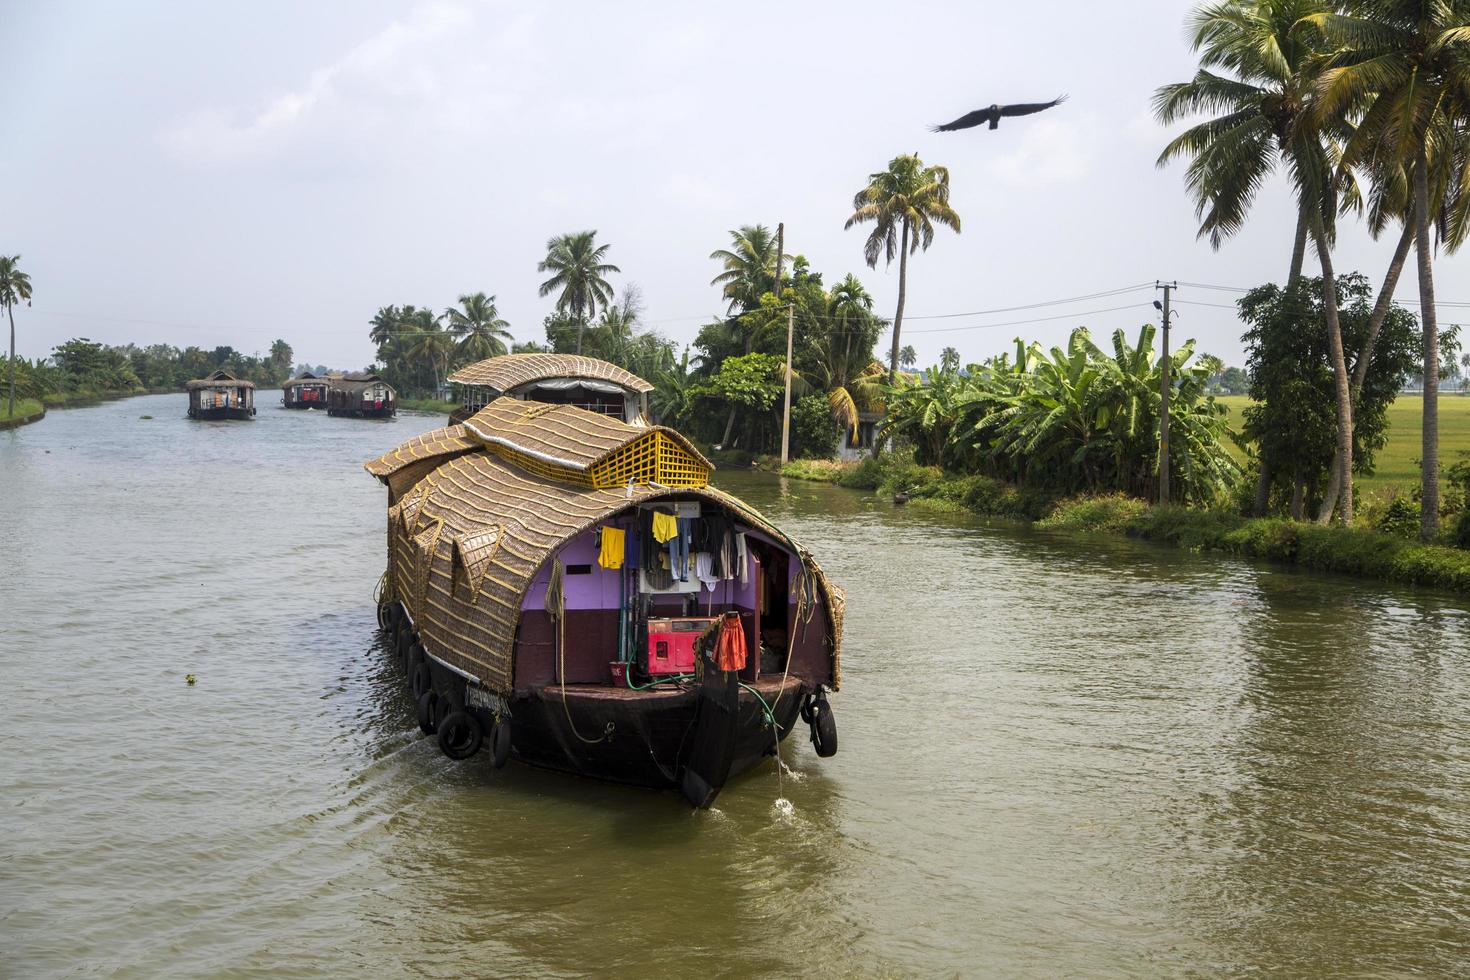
(653, 737)
(218, 414)
(361, 413)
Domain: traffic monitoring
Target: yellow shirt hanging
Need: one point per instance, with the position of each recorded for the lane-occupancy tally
(611, 555)
(665, 526)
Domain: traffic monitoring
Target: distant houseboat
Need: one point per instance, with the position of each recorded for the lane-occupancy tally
(362, 396)
(221, 396)
(305, 391)
(557, 379)
(566, 586)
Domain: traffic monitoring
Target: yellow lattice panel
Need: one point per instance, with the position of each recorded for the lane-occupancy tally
(655, 458)
(541, 467)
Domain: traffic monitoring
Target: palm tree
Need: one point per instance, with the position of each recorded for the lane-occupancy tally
(577, 262)
(1406, 65)
(749, 268)
(903, 203)
(15, 286)
(848, 305)
(1268, 116)
(478, 326)
(384, 323)
(427, 340)
(908, 357)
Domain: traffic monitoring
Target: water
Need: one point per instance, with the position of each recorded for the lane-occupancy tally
(1059, 754)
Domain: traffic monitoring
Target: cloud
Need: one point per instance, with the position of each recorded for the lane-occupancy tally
(1050, 152)
(405, 62)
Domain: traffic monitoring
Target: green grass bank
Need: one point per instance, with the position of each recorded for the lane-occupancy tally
(427, 405)
(1351, 551)
(1397, 464)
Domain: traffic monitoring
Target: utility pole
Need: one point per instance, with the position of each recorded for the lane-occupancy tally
(786, 408)
(1164, 389)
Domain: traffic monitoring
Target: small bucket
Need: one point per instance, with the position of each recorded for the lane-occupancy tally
(619, 671)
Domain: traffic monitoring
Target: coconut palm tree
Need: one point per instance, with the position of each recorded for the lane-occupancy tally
(749, 266)
(579, 270)
(426, 340)
(15, 286)
(1267, 56)
(478, 326)
(908, 357)
(1405, 65)
(848, 305)
(903, 203)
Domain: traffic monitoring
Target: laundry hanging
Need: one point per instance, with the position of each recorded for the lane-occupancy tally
(611, 554)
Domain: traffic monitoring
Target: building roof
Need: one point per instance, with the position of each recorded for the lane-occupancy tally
(355, 382)
(306, 378)
(513, 370)
(566, 436)
(219, 379)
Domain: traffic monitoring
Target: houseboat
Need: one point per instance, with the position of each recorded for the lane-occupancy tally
(305, 391)
(221, 396)
(557, 379)
(566, 587)
(361, 396)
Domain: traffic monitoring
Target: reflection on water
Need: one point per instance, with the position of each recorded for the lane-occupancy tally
(1060, 754)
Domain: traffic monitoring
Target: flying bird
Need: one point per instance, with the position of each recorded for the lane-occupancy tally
(994, 113)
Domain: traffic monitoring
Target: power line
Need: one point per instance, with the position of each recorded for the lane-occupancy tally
(1043, 319)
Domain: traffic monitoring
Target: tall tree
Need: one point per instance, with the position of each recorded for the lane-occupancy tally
(903, 203)
(1258, 72)
(749, 268)
(1406, 65)
(427, 341)
(15, 286)
(579, 271)
(477, 325)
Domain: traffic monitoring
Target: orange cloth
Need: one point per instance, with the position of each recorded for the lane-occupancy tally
(730, 645)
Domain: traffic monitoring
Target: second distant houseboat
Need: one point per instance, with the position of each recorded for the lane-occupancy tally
(361, 396)
(305, 391)
(221, 396)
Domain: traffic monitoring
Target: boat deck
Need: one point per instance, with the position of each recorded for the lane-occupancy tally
(768, 687)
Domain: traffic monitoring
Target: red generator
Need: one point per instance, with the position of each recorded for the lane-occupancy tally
(671, 644)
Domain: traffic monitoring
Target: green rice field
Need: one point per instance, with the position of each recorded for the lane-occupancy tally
(1397, 464)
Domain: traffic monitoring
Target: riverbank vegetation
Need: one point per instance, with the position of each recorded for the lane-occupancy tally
(81, 371)
(23, 408)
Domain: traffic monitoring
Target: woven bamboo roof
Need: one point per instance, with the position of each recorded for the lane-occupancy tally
(355, 382)
(219, 379)
(307, 378)
(563, 435)
(467, 539)
(449, 441)
(513, 370)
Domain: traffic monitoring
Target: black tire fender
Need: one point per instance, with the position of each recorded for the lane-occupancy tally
(420, 681)
(500, 743)
(460, 735)
(824, 730)
(428, 708)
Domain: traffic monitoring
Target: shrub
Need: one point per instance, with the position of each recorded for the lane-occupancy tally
(1400, 518)
(813, 430)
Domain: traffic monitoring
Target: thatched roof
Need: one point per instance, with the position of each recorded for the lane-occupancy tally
(355, 382)
(513, 370)
(469, 536)
(451, 441)
(219, 379)
(564, 435)
(307, 378)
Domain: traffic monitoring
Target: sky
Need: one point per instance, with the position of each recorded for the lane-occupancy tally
(230, 173)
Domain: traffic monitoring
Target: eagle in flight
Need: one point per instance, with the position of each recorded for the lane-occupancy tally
(994, 113)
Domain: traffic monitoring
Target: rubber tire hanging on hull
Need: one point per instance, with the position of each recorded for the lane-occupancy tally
(824, 727)
(420, 680)
(500, 743)
(460, 735)
(428, 708)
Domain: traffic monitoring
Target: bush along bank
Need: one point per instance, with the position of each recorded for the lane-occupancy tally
(1350, 551)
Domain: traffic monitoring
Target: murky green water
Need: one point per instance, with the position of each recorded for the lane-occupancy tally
(1059, 755)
